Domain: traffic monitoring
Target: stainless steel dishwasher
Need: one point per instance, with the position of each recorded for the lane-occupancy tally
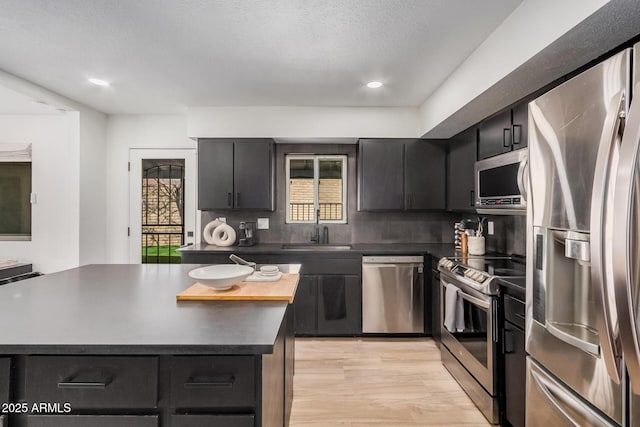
(392, 294)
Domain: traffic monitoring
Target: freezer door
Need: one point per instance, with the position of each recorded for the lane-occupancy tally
(565, 129)
(551, 403)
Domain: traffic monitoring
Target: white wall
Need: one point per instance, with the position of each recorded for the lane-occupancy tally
(303, 122)
(534, 25)
(93, 187)
(123, 133)
(55, 180)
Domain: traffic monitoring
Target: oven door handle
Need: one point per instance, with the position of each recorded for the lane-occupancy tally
(473, 300)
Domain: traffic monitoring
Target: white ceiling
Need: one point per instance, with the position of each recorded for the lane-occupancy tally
(165, 55)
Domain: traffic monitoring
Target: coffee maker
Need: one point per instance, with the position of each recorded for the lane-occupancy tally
(247, 235)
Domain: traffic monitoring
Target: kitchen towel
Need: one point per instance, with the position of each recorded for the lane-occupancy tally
(454, 309)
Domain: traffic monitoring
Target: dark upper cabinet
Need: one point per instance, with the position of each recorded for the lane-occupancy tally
(504, 132)
(494, 135)
(253, 172)
(520, 125)
(380, 174)
(401, 174)
(236, 174)
(461, 171)
(339, 305)
(215, 174)
(424, 174)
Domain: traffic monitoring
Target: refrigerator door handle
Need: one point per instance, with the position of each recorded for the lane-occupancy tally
(600, 222)
(625, 233)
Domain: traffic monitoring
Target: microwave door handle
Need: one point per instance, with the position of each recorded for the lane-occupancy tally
(523, 177)
(625, 229)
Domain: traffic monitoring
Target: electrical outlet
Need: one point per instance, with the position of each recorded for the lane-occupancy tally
(490, 229)
(263, 223)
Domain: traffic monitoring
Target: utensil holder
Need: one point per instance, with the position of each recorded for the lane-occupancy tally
(476, 245)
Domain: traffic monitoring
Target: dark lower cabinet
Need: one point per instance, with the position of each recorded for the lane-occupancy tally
(339, 305)
(328, 305)
(515, 374)
(5, 379)
(515, 356)
(92, 421)
(435, 306)
(212, 421)
(305, 306)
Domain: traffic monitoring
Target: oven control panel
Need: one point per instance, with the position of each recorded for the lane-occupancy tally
(462, 270)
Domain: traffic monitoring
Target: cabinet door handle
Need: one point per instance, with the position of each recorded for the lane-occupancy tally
(83, 385)
(229, 199)
(472, 198)
(237, 200)
(506, 137)
(211, 382)
(517, 134)
(85, 380)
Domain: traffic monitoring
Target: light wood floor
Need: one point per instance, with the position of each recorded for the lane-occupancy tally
(376, 382)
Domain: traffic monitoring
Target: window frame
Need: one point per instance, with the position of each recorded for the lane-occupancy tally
(316, 185)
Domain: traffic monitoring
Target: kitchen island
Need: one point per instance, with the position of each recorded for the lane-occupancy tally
(109, 345)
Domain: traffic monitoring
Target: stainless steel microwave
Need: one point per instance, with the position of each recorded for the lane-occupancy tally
(501, 184)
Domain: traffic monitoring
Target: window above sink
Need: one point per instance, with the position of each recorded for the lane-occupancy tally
(316, 184)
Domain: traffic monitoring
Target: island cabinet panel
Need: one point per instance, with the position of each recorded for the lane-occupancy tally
(199, 382)
(5, 379)
(212, 420)
(92, 421)
(93, 382)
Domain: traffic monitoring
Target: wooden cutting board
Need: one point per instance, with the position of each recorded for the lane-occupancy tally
(282, 290)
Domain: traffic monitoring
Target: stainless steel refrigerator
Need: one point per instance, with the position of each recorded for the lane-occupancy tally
(583, 247)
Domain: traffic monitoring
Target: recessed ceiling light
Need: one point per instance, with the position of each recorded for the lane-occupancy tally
(374, 85)
(99, 82)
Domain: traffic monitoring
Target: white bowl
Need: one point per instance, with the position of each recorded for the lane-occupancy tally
(221, 276)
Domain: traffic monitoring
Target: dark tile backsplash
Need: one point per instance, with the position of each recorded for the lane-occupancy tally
(367, 227)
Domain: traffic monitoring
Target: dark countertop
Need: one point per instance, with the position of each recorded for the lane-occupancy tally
(129, 309)
(436, 249)
(518, 285)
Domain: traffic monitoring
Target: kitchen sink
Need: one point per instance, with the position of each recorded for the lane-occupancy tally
(315, 247)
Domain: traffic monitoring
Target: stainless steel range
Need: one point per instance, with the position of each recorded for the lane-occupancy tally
(469, 322)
